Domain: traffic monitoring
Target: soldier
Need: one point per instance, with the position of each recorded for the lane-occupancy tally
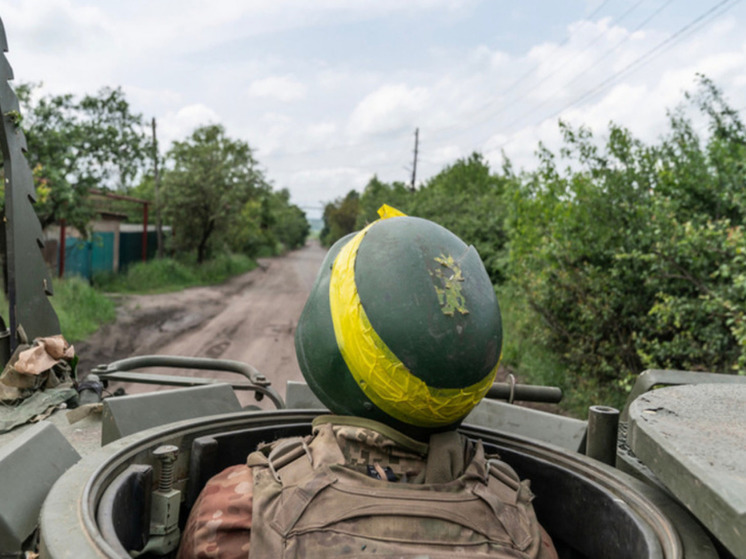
(400, 338)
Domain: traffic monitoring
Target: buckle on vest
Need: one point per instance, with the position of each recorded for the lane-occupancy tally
(286, 452)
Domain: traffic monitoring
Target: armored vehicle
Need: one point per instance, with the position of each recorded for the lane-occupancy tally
(665, 478)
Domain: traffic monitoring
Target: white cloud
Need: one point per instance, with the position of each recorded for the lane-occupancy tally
(282, 88)
(560, 77)
(40, 25)
(444, 155)
(324, 117)
(181, 123)
(483, 55)
(142, 96)
(321, 132)
(391, 108)
(313, 187)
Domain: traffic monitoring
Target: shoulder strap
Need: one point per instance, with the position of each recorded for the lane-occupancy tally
(445, 461)
(285, 458)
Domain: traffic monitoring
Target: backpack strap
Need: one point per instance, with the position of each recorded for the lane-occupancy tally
(445, 461)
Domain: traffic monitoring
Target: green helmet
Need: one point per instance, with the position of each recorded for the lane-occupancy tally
(402, 326)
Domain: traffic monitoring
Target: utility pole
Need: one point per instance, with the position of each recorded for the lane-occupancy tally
(156, 185)
(414, 165)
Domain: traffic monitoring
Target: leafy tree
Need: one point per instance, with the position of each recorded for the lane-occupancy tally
(269, 224)
(340, 218)
(619, 255)
(566, 228)
(377, 193)
(290, 225)
(631, 256)
(696, 253)
(75, 145)
(210, 179)
(466, 197)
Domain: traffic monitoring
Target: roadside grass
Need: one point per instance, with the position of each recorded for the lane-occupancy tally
(168, 274)
(81, 309)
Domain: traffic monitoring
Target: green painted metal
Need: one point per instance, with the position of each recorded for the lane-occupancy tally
(126, 415)
(653, 522)
(298, 396)
(130, 248)
(78, 253)
(693, 438)
(403, 265)
(85, 257)
(258, 382)
(603, 430)
(322, 365)
(29, 466)
(564, 432)
(429, 298)
(652, 378)
(29, 281)
(102, 252)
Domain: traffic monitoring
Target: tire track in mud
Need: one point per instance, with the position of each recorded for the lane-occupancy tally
(250, 318)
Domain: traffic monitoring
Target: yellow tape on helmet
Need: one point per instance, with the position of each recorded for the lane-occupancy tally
(382, 377)
(387, 211)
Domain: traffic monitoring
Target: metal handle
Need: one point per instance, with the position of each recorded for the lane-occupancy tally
(259, 383)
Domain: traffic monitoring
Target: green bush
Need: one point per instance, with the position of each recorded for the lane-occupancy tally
(152, 276)
(612, 256)
(80, 308)
(167, 274)
(223, 267)
(630, 256)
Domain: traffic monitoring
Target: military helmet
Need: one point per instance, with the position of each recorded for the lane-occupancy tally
(402, 326)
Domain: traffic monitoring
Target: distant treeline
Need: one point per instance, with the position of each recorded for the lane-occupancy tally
(611, 257)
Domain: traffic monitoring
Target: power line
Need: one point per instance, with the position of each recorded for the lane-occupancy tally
(485, 106)
(555, 49)
(557, 69)
(667, 43)
(596, 39)
(620, 43)
(645, 58)
(605, 55)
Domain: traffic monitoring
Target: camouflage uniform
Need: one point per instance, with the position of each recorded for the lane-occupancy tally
(220, 524)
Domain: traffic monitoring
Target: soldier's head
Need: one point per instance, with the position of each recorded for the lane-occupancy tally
(402, 326)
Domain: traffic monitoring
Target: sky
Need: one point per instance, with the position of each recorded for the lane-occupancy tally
(329, 93)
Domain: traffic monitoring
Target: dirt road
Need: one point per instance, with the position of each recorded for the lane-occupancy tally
(250, 318)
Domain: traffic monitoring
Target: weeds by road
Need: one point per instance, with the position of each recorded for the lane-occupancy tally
(167, 274)
(83, 309)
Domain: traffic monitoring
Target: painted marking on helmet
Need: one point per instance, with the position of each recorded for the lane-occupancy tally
(450, 297)
(382, 377)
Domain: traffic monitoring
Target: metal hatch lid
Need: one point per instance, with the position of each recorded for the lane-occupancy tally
(694, 439)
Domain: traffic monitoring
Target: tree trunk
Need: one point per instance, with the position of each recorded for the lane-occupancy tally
(202, 248)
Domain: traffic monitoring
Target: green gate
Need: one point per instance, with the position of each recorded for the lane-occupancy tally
(85, 257)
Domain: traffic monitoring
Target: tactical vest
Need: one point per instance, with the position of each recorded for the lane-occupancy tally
(308, 504)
